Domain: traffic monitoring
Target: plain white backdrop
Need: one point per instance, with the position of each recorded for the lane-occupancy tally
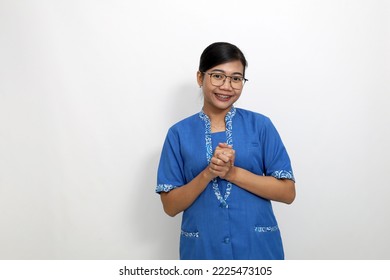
(88, 90)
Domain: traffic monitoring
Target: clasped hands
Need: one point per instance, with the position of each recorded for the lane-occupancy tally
(222, 161)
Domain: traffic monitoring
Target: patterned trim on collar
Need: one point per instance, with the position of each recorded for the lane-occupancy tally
(209, 150)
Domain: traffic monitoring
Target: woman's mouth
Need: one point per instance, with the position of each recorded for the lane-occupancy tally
(222, 97)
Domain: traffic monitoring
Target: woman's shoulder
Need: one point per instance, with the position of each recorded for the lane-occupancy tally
(248, 115)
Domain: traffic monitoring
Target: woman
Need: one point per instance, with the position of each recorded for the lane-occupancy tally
(222, 167)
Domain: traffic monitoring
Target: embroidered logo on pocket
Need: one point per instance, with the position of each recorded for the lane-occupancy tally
(266, 229)
(190, 234)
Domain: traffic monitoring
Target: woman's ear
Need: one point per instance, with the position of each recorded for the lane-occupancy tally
(199, 77)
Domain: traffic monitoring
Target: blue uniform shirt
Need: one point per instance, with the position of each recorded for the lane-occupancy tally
(225, 221)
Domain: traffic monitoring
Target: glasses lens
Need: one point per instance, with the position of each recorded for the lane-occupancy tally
(237, 82)
(217, 79)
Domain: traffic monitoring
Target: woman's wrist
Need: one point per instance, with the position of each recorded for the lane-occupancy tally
(231, 176)
(207, 174)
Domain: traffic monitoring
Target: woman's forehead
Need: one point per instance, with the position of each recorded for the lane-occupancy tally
(231, 67)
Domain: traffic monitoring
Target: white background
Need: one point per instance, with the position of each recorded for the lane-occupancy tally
(88, 90)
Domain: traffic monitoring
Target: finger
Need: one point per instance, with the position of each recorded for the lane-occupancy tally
(228, 153)
(233, 157)
(216, 169)
(225, 145)
(228, 159)
(221, 162)
(225, 151)
(219, 165)
(218, 150)
(219, 171)
(224, 157)
(216, 161)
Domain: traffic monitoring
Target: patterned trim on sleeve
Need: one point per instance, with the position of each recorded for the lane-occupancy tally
(283, 174)
(164, 188)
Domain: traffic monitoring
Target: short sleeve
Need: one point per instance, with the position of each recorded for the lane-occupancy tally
(170, 174)
(276, 160)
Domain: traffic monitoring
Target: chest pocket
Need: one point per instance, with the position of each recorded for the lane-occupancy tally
(249, 156)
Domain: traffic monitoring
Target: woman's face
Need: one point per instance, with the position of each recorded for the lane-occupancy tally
(221, 98)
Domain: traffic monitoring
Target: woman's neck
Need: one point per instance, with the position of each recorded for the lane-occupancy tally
(217, 119)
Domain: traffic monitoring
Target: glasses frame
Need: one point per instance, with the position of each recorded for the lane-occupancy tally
(244, 80)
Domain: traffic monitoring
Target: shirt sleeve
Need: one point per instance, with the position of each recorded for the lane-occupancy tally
(170, 173)
(276, 160)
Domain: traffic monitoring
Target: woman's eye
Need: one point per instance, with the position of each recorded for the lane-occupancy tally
(237, 79)
(218, 76)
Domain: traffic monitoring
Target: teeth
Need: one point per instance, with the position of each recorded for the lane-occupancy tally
(223, 96)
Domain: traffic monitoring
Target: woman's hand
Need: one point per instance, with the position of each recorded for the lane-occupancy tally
(222, 161)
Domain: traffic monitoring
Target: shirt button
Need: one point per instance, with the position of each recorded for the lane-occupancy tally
(226, 240)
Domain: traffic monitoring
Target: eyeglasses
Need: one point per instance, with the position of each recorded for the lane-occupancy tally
(218, 79)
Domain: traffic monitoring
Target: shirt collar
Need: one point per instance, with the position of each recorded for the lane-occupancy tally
(229, 115)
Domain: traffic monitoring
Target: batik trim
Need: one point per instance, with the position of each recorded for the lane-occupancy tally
(266, 229)
(283, 174)
(189, 234)
(164, 188)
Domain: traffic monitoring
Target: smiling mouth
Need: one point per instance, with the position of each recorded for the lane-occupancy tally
(223, 97)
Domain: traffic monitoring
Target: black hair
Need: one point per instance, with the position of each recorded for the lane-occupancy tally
(219, 53)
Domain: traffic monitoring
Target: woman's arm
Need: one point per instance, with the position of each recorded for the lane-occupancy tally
(268, 187)
(179, 199)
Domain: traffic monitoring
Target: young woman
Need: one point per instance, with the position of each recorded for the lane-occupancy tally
(222, 167)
